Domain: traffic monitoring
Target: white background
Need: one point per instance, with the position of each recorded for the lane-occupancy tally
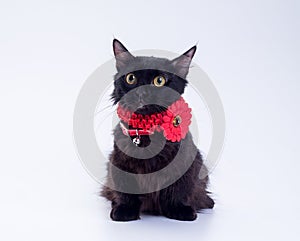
(249, 48)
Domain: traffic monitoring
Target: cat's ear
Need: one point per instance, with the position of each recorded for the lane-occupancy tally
(122, 55)
(182, 63)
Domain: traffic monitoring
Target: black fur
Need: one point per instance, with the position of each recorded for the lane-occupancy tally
(187, 195)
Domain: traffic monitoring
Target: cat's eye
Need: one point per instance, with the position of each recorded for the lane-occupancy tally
(159, 81)
(131, 79)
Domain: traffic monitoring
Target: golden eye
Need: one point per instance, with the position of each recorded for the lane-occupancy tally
(131, 79)
(159, 81)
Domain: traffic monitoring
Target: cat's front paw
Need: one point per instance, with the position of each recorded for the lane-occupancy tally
(181, 212)
(124, 213)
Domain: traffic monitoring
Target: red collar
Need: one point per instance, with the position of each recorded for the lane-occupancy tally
(174, 122)
(135, 132)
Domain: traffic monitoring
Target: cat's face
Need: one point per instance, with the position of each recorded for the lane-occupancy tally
(142, 81)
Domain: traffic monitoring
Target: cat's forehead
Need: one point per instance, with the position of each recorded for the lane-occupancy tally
(146, 62)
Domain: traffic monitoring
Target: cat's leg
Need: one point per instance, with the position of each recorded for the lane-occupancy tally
(179, 211)
(173, 203)
(175, 200)
(125, 207)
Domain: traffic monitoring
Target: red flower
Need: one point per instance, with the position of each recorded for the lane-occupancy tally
(176, 121)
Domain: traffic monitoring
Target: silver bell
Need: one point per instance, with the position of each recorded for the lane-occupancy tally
(136, 140)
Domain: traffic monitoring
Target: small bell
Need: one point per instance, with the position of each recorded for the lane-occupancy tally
(137, 139)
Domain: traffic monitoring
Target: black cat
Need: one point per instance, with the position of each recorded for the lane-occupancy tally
(187, 193)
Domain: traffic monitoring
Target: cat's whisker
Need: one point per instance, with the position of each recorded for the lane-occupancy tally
(103, 109)
(104, 119)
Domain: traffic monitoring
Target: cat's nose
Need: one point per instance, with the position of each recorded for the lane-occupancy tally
(141, 92)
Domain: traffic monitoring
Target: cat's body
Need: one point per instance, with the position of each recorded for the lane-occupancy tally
(187, 194)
